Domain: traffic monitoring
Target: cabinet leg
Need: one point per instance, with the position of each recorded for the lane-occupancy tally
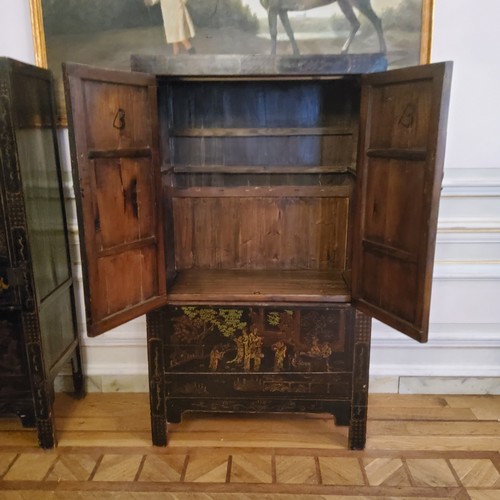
(357, 429)
(155, 326)
(158, 431)
(46, 433)
(44, 414)
(42, 388)
(361, 367)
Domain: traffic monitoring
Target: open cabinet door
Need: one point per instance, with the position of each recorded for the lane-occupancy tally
(113, 130)
(400, 168)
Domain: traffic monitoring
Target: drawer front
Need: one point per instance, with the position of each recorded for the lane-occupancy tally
(296, 385)
(259, 339)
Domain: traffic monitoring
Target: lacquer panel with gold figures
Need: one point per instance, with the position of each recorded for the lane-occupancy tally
(258, 349)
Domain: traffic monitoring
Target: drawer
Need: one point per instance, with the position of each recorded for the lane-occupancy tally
(285, 385)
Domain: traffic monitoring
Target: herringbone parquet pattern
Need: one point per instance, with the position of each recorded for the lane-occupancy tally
(212, 473)
(223, 457)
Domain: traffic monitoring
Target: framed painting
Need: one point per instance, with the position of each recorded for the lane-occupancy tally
(106, 32)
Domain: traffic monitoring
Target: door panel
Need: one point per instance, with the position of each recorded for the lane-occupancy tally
(123, 186)
(401, 111)
(116, 170)
(119, 110)
(391, 211)
(126, 279)
(400, 168)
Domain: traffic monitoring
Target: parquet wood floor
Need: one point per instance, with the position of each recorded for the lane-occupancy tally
(424, 447)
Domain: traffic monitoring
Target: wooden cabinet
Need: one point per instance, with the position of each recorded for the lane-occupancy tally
(261, 218)
(38, 330)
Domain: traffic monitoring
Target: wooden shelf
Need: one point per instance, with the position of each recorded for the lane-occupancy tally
(262, 192)
(258, 286)
(257, 169)
(259, 132)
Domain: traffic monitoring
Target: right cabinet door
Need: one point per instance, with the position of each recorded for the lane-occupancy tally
(400, 168)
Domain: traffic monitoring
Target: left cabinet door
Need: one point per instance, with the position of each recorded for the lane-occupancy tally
(113, 131)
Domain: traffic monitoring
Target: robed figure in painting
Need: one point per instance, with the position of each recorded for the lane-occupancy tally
(179, 27)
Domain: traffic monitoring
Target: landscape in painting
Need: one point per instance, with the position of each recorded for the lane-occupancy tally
(106, 32)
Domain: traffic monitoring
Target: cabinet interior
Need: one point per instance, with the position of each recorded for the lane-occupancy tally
(258, 179)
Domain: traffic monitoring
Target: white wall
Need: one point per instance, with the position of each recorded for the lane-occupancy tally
(15, 30)
(463, 354)
(465, 313)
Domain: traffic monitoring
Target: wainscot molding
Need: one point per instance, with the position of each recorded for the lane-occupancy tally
(471, 181)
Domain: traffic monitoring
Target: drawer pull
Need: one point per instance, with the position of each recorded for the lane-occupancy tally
(119, 119)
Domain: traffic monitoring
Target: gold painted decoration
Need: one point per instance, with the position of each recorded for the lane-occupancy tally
(254, 339)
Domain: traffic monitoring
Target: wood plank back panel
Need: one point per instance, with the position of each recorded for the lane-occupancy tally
(256, 103)
(261, 232)
(306, 150)
(235, 176)
(262, 123)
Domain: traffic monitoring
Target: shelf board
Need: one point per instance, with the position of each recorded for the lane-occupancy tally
(259, 131)
(258, 286)
(334, 191)
(260, 169)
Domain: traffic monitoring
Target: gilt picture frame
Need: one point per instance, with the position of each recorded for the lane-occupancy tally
(106, 32)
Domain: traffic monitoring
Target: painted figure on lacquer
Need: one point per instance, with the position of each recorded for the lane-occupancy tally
(250, 340)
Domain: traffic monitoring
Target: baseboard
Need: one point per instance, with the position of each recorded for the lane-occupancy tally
(378, 384)
(105, 383)
(435, 385)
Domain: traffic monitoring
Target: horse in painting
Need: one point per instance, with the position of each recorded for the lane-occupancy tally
(280, 8)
